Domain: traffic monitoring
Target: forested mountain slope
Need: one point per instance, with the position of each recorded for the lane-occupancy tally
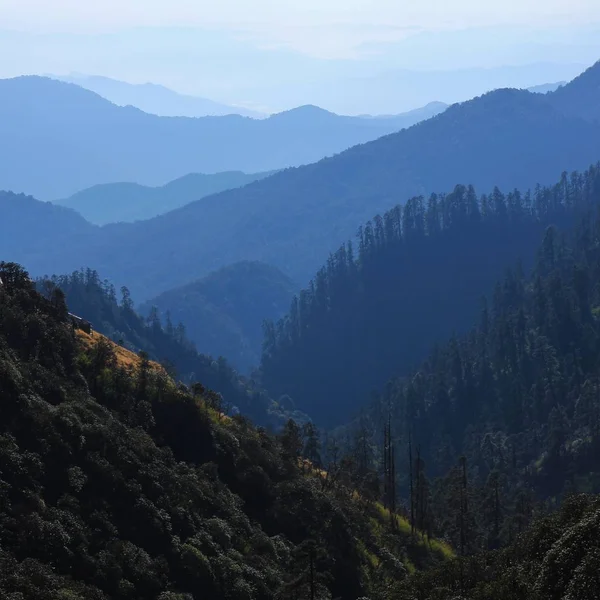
(558, 558)
(225, 310)
(166, 342)
(416, 275)
(64, 138)
(504, 422)
(127, 202)
(295, 218)
(525, 376)
(117, 483)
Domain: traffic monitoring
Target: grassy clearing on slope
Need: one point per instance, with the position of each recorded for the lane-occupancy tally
(130, 361)
(125, 358)
(403, 525)
(380, 525)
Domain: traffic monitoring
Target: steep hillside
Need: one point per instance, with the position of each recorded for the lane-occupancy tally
(155, 99)
(123, 357)
(504, 422)
(65, 139)
(417, 276)
(127, 202)
(119, 484)
(168, 344)
(526, 375)
(558, 558)
(225, 311)
(295, 218)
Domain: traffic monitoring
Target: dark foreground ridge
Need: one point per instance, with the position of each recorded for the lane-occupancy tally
(115, 482)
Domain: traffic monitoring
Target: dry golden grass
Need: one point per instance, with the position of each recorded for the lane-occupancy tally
(130, 360)
(125, 358)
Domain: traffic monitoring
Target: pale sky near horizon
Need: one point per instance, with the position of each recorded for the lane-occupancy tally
(321, 28)
(270, 55)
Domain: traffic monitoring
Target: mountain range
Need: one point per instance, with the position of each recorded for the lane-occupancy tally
(162, 101)
(153, 98)
(381, 91)
(65, 138)
(294, 218)
(126, 202)
(430, 299)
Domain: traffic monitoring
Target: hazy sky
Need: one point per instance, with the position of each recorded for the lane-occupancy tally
(323, 28)
(274, 54)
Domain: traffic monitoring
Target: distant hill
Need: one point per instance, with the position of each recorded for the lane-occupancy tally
(154, 99)
(413, 117)
(546, 87)
(32, 228)
(127, 202)
(295, 218)
(64, 138)
(393, 90)
(224, 312)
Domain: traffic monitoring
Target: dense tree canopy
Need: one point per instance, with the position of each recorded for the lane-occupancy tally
(504, 421)
(117, 483)
(416, 275)
(558, 558)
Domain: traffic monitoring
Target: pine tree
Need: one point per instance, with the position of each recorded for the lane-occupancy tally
(291, 441)
(312, 445)
(389, 472)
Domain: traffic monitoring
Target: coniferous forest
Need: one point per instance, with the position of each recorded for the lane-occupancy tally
(413, 277)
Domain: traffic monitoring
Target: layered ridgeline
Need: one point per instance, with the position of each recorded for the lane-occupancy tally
(127, 202)
(414, 276)
(155, 99)
(225, 310)
(295, 218)
(158, 100)
(117, 483)
(65, 138)
(165, 341)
